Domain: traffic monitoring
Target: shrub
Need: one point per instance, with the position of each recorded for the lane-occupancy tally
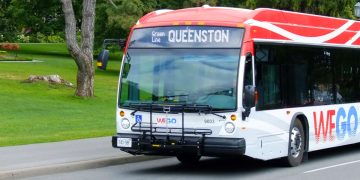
(41, 37)
(22, 38)
(55, 39)
(10, 46)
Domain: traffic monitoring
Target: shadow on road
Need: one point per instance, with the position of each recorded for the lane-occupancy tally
(211, 166)
(334, 152)
(243, 166)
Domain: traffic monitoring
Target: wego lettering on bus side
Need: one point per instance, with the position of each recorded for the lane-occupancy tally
(343, 121)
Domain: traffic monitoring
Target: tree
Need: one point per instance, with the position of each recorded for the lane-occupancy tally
(83, 53)
(336, 8)
(8, 29)
(198, 3)
(110, 21)
(33, 16)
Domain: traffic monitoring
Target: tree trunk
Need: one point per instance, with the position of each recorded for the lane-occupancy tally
(83, 55)
(85, 81)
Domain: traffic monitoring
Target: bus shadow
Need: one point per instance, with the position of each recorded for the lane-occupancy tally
(212, 166)
(334, 152)
(244, 165)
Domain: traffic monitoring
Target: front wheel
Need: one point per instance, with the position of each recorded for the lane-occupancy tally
(296, 145)
(188, 159)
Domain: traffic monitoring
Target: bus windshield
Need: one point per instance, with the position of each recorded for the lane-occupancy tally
(190, 76)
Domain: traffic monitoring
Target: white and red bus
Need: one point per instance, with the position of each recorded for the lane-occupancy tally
(216, 81)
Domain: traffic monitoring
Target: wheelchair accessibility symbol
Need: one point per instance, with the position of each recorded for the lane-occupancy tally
(138, 118)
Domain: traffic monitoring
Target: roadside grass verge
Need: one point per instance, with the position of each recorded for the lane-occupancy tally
(40, 112)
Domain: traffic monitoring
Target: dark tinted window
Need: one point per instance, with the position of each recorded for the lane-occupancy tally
(321, 77)
(347, 75)
(268, 77)
(292, 76)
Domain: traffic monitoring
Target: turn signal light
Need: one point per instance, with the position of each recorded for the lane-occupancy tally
(122, 113)
(156, 145)
(233, 117)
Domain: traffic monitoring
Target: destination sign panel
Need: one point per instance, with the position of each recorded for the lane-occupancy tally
(187, 37)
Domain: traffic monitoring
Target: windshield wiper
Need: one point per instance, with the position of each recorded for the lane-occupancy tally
(138, 107)
(222, 116)
(207, 109)
(153, 105)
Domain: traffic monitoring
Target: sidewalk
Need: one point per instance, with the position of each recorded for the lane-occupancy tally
(47, 158)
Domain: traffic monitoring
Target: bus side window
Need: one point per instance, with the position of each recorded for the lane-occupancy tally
(268, 84)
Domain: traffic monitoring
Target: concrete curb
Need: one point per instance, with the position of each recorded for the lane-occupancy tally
(73, 166)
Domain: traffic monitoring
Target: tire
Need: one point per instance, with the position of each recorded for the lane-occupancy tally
(296, 145)
(188, 159)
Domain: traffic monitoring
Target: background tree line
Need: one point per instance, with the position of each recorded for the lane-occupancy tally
(43, 20)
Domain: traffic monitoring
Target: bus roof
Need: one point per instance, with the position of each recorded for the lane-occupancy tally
(264, 25)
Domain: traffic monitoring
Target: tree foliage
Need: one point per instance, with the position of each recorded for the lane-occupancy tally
(115, 17)
(7, 26)
(119, 19)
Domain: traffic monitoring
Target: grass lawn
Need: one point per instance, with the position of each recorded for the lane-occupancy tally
(5, 56)
(39, 112)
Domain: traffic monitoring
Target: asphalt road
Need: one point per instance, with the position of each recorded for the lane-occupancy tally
(336, 163)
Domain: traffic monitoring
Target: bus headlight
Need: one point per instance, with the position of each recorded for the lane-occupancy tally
(125, 123)
(229, 127)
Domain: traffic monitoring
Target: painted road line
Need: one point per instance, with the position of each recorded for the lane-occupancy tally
(329, 167)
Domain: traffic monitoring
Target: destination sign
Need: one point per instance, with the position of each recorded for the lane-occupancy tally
(187, 37)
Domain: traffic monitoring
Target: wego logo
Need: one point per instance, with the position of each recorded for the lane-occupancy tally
(345, 123)
(166, 120)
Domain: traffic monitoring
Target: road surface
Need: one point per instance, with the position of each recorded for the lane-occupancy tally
(336, 163)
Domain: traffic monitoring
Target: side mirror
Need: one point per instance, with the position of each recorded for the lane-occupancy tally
(103, 59)
(249, 100)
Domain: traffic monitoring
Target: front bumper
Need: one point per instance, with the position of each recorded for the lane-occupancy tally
(173, 145)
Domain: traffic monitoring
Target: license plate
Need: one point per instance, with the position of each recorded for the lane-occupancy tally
(124, 142)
